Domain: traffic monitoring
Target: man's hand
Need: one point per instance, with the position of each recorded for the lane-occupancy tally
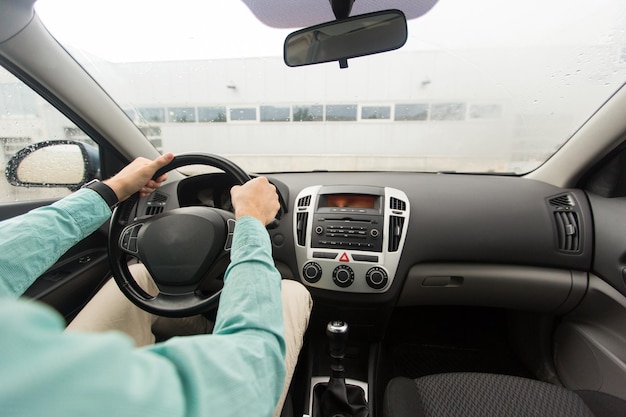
(256, 198)
(137, 176)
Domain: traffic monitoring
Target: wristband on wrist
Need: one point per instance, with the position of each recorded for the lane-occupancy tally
(106, 192)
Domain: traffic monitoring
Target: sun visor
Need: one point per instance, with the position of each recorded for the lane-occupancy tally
(298, 14)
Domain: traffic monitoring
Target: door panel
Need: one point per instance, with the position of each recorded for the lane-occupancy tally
(75, 278)
(77, 275)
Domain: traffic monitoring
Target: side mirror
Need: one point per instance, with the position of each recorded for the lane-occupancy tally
(352, 37)
(63, 163)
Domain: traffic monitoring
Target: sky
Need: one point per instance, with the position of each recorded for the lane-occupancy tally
(145, 30)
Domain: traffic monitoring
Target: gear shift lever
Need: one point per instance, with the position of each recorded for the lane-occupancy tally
(337, 332)
(338, 399)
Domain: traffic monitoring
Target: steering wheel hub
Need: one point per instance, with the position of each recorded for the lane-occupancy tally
(179, 246)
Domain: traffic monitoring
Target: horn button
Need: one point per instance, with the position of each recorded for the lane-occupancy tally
(179, 246)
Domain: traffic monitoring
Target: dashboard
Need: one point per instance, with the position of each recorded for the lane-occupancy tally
(368, 242)
(461, 239)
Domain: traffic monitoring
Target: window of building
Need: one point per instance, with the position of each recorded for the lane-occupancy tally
(181, 114)
(72, 132)
(411, 112)
(447, 111)
(275, 114)
(375, 112)
(485, 111)
(152, 114)
(313, 113)
(213, 114)
(11, 145)
(243, 113)
(341, 112)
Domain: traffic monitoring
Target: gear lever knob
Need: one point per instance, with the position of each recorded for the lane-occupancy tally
(337, 332)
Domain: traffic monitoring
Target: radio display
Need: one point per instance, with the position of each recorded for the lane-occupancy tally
(348, 201)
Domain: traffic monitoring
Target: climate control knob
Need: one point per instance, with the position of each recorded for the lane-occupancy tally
(312, 272)
(343, 276)
(376, 278)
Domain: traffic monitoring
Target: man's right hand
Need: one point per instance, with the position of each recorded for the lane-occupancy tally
(256, 198)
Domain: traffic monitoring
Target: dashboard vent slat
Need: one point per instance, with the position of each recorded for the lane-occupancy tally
(304, 201)
(396, 224)
(568, 231)
(564, 201)
(397, 204)
(156, 205)
(158, 198)
(301, 221)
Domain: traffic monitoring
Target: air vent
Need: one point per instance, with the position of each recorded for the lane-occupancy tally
(156, 205)
(301, 219)
(568, 230)
(563, 201)
(567, 222)
(396, 204)
(395, 232)
(304, 201)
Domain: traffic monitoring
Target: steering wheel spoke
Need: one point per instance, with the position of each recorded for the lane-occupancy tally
(128, 241)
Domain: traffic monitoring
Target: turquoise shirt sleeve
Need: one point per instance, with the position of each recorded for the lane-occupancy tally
(33, 242)
(237, 371)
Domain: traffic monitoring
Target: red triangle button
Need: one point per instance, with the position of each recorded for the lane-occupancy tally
(344, 258)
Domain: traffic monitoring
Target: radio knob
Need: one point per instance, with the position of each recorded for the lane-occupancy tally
(319, 230)
(312, 272)
(343, 276)
(374, 233)
(376, 278)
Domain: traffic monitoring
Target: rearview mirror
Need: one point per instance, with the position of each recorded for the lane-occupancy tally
(340, 40)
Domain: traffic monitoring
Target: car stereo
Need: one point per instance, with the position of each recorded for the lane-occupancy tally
(349, 238)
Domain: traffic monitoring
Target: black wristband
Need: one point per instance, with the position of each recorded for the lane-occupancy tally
(106, 192)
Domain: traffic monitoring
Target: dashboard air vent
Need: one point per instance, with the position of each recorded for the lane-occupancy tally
(395, 232)
(304, 201)
(397, 204)
(156, 205)
(567, 222)
(562, 201)
(301, 219)
(568, 230)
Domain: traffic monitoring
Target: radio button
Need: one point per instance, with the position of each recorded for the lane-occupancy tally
(325, 255)
(376, 278)
(365, 258)
(343, 276)
(312, 272)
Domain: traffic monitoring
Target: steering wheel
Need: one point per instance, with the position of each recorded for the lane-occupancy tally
(180, 247)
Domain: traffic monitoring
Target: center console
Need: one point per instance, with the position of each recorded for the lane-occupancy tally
(349, 238)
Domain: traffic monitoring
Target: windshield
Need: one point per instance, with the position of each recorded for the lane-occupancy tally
(480, 86)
